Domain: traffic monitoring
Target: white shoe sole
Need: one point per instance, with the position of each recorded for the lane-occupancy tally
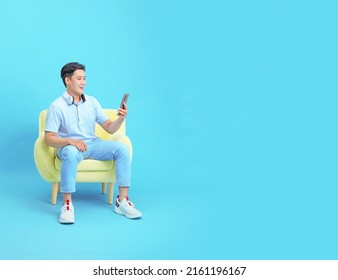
(66, 221)
(118, 211)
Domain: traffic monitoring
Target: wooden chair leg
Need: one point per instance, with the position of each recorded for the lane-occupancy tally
(110, 192)
(55, 188)
(103, 188)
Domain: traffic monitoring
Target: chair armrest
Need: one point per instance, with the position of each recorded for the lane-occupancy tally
(44, 157)
(121, 137)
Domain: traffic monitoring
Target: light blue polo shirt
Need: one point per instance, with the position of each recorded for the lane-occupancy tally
(75, 120)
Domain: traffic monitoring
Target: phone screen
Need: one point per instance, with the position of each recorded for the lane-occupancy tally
(124, 99)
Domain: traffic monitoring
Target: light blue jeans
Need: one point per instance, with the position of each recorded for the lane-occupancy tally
(96, 149)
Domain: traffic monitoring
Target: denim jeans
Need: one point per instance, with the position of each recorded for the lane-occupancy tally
(97, 149)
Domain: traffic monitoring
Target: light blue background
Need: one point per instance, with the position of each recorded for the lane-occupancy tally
(232, 116)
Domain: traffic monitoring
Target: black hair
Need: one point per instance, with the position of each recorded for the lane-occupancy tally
(69, 69)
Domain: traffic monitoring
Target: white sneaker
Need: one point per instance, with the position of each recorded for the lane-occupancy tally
(126, 207)
(67, 213)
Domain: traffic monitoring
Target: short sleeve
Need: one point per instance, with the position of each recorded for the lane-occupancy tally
(101, 116)
(53, 120)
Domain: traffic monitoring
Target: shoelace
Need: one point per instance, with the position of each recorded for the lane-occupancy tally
(128, 201)
(67, 206)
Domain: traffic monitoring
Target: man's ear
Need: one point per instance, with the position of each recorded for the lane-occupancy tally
(67, 80)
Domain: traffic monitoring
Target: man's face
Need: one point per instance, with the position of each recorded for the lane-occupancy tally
(76, 83)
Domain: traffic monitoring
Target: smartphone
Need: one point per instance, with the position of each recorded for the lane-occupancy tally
(124, 100)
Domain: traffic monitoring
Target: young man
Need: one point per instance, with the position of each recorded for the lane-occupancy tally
(70, 127)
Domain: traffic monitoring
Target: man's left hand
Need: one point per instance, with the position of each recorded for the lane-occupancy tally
(123, 112)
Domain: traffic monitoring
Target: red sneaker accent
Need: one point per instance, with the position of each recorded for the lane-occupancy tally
(67, 203)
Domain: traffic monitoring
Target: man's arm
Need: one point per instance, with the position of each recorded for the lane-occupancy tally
(113, 126)
(52, 140)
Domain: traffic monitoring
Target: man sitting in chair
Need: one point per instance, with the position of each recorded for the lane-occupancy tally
(70, 127)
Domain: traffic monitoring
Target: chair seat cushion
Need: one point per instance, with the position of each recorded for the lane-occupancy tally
(90, 165)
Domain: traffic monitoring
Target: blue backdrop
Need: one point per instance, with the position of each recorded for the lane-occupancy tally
(232, 115)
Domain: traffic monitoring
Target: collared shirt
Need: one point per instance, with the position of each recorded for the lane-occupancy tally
(75, 120)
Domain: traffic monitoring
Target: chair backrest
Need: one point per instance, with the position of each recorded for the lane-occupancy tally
(99, 131)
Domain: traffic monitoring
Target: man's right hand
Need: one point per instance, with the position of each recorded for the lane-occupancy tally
(79, 144)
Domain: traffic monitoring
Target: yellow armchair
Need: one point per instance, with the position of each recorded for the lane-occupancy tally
(89, 170)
